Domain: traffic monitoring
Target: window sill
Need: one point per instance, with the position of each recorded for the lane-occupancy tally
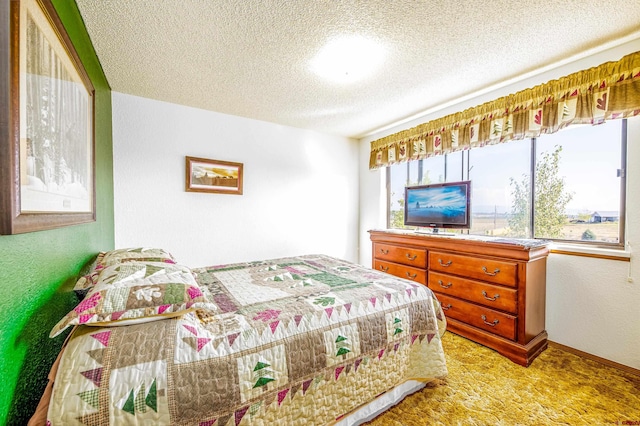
(597, 252)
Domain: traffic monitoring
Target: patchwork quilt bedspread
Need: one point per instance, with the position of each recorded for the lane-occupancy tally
(295, 341)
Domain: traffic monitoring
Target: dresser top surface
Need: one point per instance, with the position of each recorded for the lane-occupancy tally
(519, 242)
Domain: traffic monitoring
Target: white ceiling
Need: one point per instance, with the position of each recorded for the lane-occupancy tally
(251, 58)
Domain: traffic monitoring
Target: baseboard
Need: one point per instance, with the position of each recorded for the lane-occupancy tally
(604, 361)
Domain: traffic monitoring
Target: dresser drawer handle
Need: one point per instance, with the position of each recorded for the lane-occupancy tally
(493, 274)
(484, 293)
(384, 268)
(447, 307)
(412, 258)
(444, 264)
(383, 251)
(492, 324)
(411, 277)
(443, 285)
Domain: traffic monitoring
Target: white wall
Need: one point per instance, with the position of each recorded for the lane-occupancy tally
(591, 305)
(300, 187)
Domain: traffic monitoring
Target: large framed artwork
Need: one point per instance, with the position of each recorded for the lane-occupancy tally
(47, 158)
(205, 175)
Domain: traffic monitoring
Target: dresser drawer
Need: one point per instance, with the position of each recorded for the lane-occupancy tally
(402, 271)
(492, 296)
(487, 319)
(495, 271)
(407, 256)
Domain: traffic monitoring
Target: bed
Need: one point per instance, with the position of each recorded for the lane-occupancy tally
(301, 340)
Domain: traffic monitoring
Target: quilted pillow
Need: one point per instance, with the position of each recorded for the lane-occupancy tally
(134, 292)
(113, 257)
(138, 254)
(85, 282)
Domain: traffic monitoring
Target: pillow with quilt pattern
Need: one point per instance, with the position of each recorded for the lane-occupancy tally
(85, 282)
(134, 292)
(113, 257)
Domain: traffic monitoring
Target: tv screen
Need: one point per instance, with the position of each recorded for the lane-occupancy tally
(441, 205)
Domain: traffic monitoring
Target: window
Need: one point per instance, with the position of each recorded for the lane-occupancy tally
(491, 189)
(397, 179)
(421, 172)
(579, 183)
(577, 193)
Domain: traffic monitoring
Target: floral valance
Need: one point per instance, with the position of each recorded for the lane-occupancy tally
(608, 91)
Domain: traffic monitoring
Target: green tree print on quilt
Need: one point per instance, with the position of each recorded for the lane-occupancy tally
(138, 402)
(397, 322)
(343, 346)
(263, 374)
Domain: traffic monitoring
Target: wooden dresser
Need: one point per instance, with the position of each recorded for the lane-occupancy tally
(492, 290)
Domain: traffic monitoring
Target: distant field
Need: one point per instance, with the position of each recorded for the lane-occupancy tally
(498, 226)
(489, 225)
(607, 231)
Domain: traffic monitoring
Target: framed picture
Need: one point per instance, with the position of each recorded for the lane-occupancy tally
(204, 175)
(47, 177)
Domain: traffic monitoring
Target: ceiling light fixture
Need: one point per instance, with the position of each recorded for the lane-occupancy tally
(348, 59)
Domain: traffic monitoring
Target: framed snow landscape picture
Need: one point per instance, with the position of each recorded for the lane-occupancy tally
(47, 148)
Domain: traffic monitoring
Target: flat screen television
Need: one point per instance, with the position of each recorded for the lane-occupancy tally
(441, 205)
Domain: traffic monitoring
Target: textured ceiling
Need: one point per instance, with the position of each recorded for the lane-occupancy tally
(251, 58)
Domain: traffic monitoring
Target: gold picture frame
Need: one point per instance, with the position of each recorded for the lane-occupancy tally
(47, 149)
(206, 175)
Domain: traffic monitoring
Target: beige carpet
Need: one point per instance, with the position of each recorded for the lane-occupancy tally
(484, 388)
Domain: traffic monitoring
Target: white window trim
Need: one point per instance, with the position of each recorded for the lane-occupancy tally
(583, 249)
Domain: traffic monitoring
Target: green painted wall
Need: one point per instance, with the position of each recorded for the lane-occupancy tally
(38, 269)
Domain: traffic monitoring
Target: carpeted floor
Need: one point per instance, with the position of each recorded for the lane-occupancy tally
(484, 388)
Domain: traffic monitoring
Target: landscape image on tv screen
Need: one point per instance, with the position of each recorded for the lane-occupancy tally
(437, 205)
